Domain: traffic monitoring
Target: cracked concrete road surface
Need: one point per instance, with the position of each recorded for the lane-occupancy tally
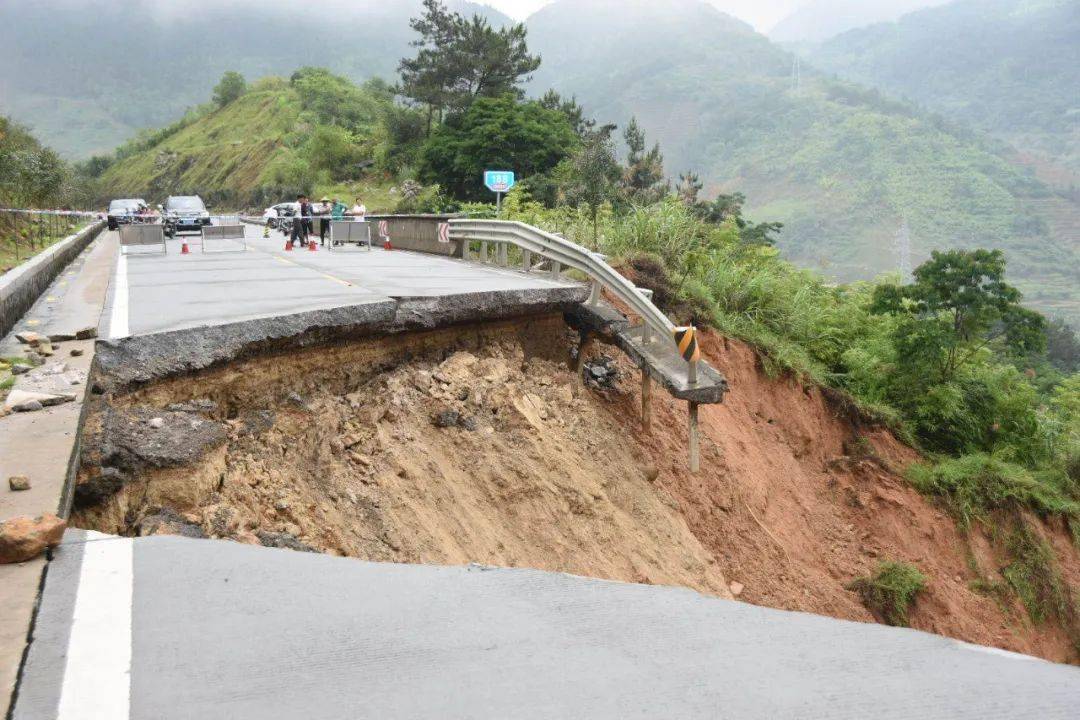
(230, 282)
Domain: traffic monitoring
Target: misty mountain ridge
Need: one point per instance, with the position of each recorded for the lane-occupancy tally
(1007, 67)
(819, 20)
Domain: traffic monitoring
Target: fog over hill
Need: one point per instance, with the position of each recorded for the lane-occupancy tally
(818, 20)
(85, 76)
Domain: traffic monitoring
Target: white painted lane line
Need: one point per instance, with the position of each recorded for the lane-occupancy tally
(118, 320)
(97, 676)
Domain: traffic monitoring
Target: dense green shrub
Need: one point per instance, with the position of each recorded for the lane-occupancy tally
(890, 591)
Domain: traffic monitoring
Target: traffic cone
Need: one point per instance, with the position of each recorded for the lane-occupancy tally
(288, 245)
(312, 246)
(386, 243)
(184, 249)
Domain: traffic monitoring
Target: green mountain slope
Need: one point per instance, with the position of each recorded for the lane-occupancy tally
(1009, 67)
(86, 76)
(229, 150)
(843, 168)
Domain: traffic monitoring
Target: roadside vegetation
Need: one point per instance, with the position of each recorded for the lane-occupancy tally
(31, 176)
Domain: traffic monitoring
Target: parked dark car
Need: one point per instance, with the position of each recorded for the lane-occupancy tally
(124, 211)
(184, 213)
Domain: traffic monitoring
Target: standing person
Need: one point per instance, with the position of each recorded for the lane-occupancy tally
(297, 221)
(358, 210)
(324, 219)
(337, 210)
(307, 210)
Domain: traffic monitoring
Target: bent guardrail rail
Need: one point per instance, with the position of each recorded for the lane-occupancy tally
(562, 253)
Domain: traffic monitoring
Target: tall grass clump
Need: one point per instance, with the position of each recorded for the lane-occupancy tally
(890, 591)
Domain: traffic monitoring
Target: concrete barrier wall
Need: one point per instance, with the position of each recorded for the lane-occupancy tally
(417, 232)
(22, 286)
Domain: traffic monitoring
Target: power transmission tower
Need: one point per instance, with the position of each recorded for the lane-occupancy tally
(796, 73)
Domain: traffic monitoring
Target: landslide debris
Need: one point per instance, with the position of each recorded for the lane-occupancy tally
(489, 452)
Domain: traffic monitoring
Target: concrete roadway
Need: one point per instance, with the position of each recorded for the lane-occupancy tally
(167, 628)
(155, 293)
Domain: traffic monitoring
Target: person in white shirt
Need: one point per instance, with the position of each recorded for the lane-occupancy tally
(358, 210)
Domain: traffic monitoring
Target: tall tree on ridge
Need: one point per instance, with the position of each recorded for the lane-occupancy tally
(459, 60)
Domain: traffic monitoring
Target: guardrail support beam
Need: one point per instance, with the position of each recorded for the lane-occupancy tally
(483, 252)
(584, 345)
(526, 260)
(502, 253)
(556, 269)
(646, 400)
(594, 294)
(695, 439)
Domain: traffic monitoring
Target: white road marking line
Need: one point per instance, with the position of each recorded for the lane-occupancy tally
(97, 675)
(118, 320)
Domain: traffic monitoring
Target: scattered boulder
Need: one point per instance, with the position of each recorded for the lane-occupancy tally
(86, 333)
(601, 373)
(23, 538)
(166, 521)
(25, 401)
(156, 423)
(283, 540)
(76, 352)
(736, 588)
(31, 338)
(19, 482)
(20, 369)
(446, 418)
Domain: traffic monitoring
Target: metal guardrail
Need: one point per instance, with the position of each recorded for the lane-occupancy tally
(563, 253)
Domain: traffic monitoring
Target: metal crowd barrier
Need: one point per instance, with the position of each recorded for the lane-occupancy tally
(139, 235)
(349, 232)
(225, 232)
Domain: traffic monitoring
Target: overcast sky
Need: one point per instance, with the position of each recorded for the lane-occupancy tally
(762, 14)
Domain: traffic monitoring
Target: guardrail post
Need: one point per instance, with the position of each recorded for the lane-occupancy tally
(502, 252)
(691, 372)
(526, 260)
(646, 337)
(594, 294)
(483, 251)
(556, 269)
(646, 399)
(695, 439)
